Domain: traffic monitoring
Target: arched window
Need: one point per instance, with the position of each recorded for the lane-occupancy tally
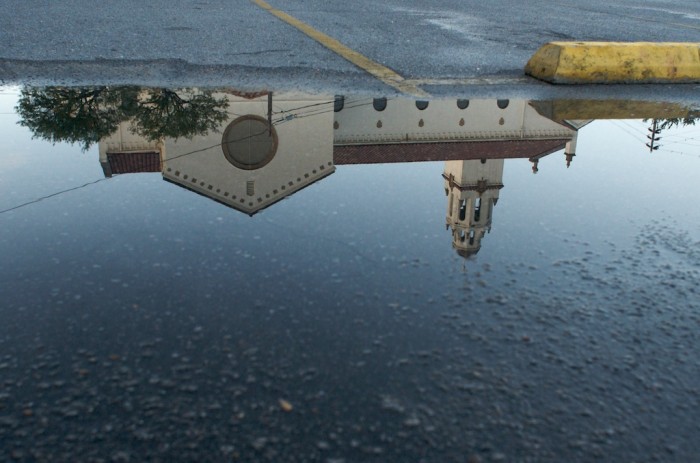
(503, 104)
(463, 209)
(421, 104)
(379, 104)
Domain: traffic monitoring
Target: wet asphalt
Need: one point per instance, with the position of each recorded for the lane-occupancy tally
(144, 323)
(237, 43)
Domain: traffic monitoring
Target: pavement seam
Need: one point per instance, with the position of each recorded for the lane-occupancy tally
(379, 71)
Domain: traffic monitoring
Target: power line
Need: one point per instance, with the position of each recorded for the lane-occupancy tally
(624, 129)
(628, 124)
(107, 178)
(52, 195)
(277, 122)
(681, 132)
(664, 150)
(683, 143)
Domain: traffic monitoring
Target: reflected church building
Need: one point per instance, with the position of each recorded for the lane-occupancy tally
(248, 164)
(271, 146)
(473, 138)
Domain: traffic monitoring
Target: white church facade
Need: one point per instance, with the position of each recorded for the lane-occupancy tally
(272, 146)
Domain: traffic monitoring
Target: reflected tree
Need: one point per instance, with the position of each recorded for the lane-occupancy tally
(664, 124)
(165, 113)
(75, 115)
(85, 115)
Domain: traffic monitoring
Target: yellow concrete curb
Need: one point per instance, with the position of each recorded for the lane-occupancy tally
(562, 110)
(616, 63)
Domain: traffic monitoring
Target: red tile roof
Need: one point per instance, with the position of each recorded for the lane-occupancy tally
(444, 151)
(127, 163)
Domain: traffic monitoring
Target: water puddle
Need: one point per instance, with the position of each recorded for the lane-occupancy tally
(217, 275)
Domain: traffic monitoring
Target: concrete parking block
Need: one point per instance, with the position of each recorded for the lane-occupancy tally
(616, 62)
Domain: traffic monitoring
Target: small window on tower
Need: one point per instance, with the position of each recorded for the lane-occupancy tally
(338, 103)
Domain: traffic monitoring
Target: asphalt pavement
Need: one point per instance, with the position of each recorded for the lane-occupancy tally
(446, 46)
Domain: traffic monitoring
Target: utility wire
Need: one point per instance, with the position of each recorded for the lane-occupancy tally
(681, 143)
(277, 122)
(42, 198)
(34, 201)
(628, 132)
(664, 150)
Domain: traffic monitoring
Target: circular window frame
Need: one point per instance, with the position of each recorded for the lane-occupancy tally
(230, 156)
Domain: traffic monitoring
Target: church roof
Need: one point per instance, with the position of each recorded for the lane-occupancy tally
(134, 162)
(444, 151)
(246, 208)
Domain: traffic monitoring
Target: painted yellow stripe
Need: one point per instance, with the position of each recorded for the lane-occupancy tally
(382, 73)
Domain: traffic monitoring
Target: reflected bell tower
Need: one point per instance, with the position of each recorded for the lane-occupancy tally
(472, 188)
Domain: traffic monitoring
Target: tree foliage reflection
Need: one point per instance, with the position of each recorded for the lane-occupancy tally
(85, 115)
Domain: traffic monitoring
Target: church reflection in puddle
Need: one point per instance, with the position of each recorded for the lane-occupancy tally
(251, 150)
(249, 164)
(142, 322)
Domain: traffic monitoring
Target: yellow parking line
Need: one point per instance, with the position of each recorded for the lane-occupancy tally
(382, 73)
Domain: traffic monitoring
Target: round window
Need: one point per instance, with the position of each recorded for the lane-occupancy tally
(249, 142)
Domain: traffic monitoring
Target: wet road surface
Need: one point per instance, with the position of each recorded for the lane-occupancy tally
(217, 43)
(422, 295)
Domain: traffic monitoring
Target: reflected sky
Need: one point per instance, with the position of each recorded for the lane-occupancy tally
(144, 321)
